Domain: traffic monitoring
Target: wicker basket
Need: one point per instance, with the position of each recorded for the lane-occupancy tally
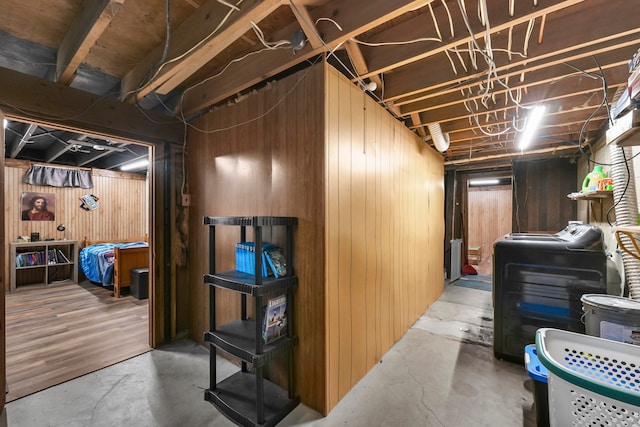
(592, 381)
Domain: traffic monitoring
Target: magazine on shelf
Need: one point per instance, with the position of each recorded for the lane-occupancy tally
(52, 257)
(274, 324)
(62, 257)
(277, 261)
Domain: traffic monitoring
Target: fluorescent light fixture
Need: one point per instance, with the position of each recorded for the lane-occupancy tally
(134, 165)
(533, 120)
(488, 181)
(5, 123)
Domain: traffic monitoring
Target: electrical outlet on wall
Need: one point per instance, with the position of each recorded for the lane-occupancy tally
(186, 199)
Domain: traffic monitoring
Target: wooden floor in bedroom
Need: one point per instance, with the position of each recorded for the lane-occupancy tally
(60, 332)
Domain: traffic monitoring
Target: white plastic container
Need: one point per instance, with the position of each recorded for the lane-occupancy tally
(612, 317)
(591, 381)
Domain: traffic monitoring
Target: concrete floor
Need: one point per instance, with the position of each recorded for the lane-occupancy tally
(441, 373)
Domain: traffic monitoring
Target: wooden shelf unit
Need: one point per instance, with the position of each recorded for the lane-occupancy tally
(41, 269)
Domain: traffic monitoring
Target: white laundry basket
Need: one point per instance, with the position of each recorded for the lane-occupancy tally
(592, 381)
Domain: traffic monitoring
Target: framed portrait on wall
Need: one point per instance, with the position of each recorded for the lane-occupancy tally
(38, 206)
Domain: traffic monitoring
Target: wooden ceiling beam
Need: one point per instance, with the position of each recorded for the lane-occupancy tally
(538, 92)
(177, 73)
(56, 151)
(563, 105)
(56, 105)
(23, 140)
(93, 19)
(566, 123)
(452, 118)
(566, 132)
(386, 58)
(411, 83)
(307, 24)
(511, 154)
(417, 124)
(354, 17)
(359, 63)
(545, 84)
(189, 35)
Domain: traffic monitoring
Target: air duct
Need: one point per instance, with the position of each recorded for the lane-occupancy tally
(626, 211)
(440, 140)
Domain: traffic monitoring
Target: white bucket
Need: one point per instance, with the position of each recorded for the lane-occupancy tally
(612, 317)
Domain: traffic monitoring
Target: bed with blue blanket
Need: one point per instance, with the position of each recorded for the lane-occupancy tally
(110, 263)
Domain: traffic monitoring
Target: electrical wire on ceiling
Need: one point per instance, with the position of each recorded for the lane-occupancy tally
(269, 45)
(331, 53)
(487, 91)
(255, 52)
(418, 40)
(153, 73)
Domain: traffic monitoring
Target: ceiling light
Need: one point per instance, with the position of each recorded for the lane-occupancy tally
(371, 86)
(488, 181)
(533, 120)
(134, 165)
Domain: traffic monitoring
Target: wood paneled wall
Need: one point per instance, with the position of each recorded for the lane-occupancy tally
(384, 235)
(272, 165)
(488, 215)
(122, 213)
(540, 195)
(369, 198)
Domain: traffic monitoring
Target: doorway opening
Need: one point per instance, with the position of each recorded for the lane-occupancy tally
(489, 217)
(58, 328)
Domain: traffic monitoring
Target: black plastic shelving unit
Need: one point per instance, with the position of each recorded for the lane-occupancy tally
(246, 397)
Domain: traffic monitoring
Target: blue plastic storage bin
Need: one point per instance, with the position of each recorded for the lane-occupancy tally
(540, 375)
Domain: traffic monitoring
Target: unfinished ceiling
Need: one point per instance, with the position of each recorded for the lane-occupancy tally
(472, 67)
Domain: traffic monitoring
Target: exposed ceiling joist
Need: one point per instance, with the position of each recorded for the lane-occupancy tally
(171, 74)
(23, 141)
(307, 24)
(260, 67)
(385, 58)
(85, 30)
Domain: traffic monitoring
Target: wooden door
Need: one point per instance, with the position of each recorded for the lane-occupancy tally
(488, 217)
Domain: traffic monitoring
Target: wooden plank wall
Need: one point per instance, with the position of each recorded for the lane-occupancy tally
(488, 216)
(264, 156)
(384, 232)
(122, 213)
(382, 224)
(540, 195)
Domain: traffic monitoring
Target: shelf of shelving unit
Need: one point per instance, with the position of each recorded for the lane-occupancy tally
(593, 195)
(247, 397)
(41, 267)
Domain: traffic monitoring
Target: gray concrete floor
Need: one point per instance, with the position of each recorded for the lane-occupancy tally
(441, 373)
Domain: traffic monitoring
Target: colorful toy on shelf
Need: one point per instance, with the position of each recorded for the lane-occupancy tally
(592, 180)
(605, 184)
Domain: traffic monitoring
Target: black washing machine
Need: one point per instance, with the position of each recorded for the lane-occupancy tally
(538, 280)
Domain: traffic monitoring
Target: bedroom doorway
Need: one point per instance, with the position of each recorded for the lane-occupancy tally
(64, 330)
